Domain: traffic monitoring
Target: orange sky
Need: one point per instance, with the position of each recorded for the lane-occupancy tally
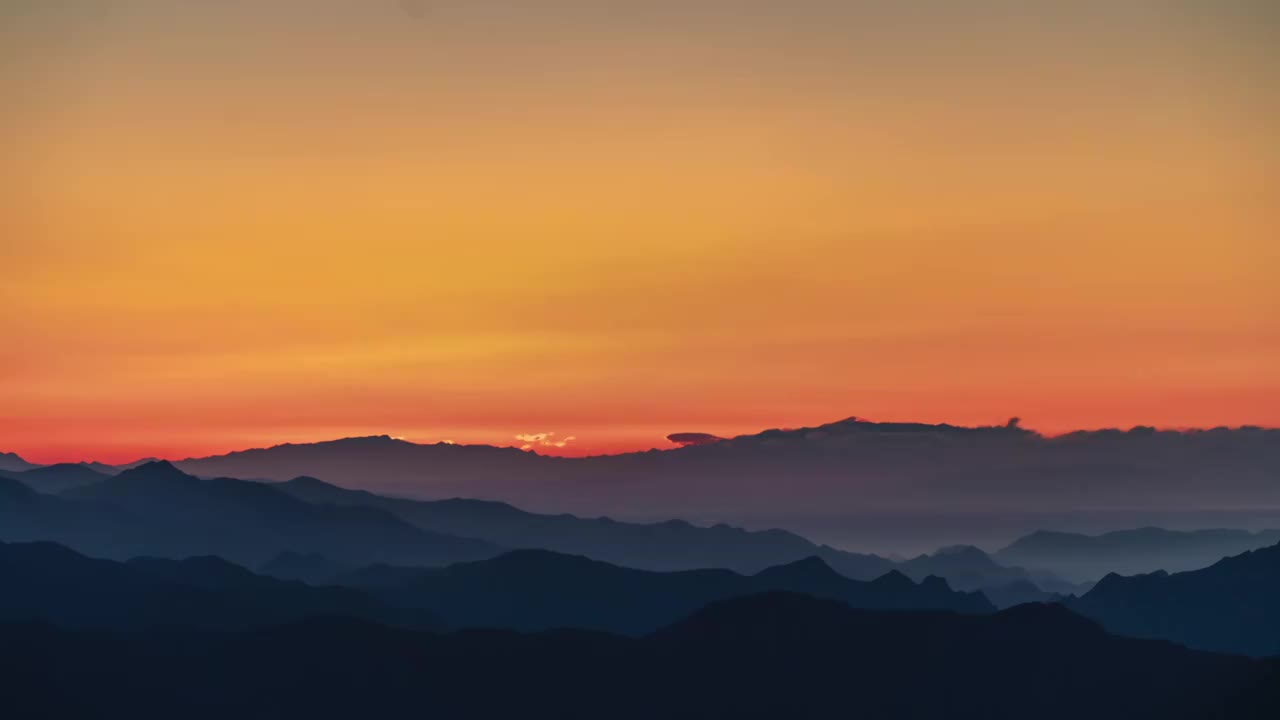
(235, 224)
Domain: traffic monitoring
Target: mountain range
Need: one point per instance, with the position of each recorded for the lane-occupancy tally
(523, 590)
(855, 484)
(1130, 552)
(539, 590)
(761, 656)
(670, 545)
(12, 462)
(1231, 606)
(788, 478)
(57, 478)
(154, 509)
(48, 582)
(1228, 607)
(149, 565)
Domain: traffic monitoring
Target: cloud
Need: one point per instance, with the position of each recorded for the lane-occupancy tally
(693, 438)
(543, 439)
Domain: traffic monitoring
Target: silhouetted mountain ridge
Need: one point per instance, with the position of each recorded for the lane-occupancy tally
(1130, 552)
(1230, 606)
(669, 545)
(540, 589)
(54, 479)
(12, 462)
(794, 475)
(760, 654)
(773, 655)
(155, 509)
(46, 581)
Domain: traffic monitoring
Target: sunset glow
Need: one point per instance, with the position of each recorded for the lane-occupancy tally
(581, 230)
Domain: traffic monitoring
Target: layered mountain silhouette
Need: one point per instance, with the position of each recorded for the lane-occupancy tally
(1231, 606)
(57, 478)
(49, 582)
(1130, 552)
(12, 462)
(844, 468)
(155, 509)
(573, 616)
(539, 589)
(524, 590)
(968, 568)
(671, 545)
(106, 469)
(762, 656)
(105, 530)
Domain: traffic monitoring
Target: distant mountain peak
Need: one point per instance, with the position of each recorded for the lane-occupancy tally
(96, 466)
(893, 580)
(362, 442)
(15, 462)
(81, 468)
(809, 568)
(961, 551)
(306, 481)
(935, 583)
(156, 470)
(54, 479)
(136, 463)
(156, 466)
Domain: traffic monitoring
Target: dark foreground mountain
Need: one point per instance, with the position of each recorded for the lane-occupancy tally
(765, 656)
(789, 477)
(537, 590)
(1130, 552)
(154, 509)
(524, 590)
(671, 545)
(1230, 606)
(45, 581)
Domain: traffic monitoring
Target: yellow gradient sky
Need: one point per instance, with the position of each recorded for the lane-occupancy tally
(232, 224)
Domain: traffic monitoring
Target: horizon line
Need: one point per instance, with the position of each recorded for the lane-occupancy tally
(1014, 423)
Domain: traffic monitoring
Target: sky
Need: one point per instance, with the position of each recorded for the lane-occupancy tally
(235, 224)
